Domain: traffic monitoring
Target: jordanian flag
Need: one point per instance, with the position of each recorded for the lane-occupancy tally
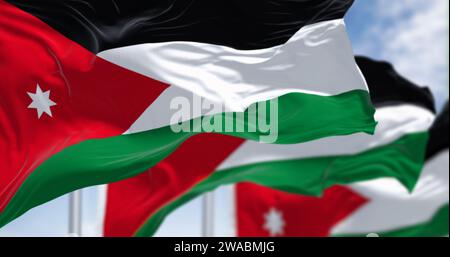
(381, 207)
(405, 112)
(80, 79)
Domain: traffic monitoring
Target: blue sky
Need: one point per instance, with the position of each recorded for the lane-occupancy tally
(412, 34)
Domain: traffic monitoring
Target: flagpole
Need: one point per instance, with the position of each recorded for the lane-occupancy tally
(75, 201)
(208, 215)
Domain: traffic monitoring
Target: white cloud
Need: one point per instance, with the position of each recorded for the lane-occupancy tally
(413, 35)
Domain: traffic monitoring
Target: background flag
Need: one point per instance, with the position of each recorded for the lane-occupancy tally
(381, 207)
(391, 211)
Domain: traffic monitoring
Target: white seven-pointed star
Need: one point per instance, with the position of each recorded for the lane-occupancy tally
(41, 102)
(274, 222)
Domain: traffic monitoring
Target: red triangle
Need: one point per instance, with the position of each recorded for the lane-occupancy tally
(303, 216)
(94, 98)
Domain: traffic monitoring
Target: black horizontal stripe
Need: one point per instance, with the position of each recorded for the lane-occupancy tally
(241, 24)
(388, 87)
(438, 134)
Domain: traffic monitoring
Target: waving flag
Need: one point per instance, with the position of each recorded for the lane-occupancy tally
(81, 78)
(391, 211)
(404, 111)
(379, 207)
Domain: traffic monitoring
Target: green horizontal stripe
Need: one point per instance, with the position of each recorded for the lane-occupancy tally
(436, 227)
(402, 159)
(302, 117)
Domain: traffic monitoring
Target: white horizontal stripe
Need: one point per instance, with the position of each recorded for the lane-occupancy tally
(393, 123)
(392, 207)
(318, 59)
